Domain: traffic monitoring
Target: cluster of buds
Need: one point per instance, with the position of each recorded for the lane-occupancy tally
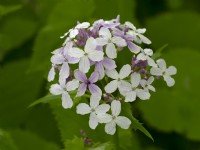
(86, 65)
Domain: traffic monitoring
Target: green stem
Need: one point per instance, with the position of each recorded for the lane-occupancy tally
(116, 139)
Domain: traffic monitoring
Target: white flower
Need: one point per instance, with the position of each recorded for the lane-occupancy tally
(63, 90)
(137, 33)
(146, 84)
(131, 91)
(89, 53)
(146, 55)
(108, 40)
(51, 74)
(74, 31)
(162, 70)
(93, 109)
(114, 119)
(118, 78)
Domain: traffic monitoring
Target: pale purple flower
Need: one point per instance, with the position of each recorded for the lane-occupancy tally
(105, 64)
(87, 83)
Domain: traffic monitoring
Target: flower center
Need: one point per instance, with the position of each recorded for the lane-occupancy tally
(88, 82)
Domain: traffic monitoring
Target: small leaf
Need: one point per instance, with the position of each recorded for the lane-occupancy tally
(74, 144)
(158, 53)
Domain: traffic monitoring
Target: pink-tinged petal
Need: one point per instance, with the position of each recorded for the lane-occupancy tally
(112, 86)
(80, 76)
(130, 96)
(72, 85)
(101, 41)
(94, 89)
(64, 73)
(57, 59)
(105, 33)
(81, 90)
(123, 122)
(94, 100)
(125, 71)
(99, 68)
(83, 109)
(51, 74)
(108, 63)
(66, 100)
(111, 51)
(133, 47)
(95, 55)
(90, 45)
(56, 89)
(84, 64)
(76, 52)
(119, 41)
(93, 121)
(110, 128)
(94, 77)
(116, 107)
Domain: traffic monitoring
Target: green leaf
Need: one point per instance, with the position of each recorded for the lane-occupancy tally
(6, 141)
(126, 108)
(74, 144)
(158, 53)
(26, 140)
(45, 99)
(18, 90)
(175, 29)
(4, 10)
(63, 17)
(177, 108)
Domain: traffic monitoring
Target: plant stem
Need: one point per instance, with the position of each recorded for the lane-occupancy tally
(116, 139)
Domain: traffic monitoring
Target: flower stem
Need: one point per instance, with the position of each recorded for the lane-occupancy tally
(116, 139)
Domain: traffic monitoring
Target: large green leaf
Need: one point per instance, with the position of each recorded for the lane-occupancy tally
(4, 10)
(18, 90)
(175, 28)
(177, 108)
(63, 17)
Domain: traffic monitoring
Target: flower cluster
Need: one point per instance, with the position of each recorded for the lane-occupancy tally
(86, 64)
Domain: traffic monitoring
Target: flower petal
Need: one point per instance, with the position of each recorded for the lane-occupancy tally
(101, 41)
(124, 87)
(111, 86)
(123, 122)
(113, 74)
(95, 55)
(66, 100)
(116, 107)
(142, 94)
(148, 51)
(141, 56)
(119, 41)
(73, 33)
(135, 79)
(156, 71)
(94, 89)
(94, 77)
(130, 96)
(130, 25)
(108, 63)
(83, 25)
(72, 85)
(111, 51)
(103, 108)
(150, 87)
(105, 33)
(56, 89)
(81, 90)
(169, 80)
(64, 73)
(93, 121)
(162, 64)
(90, 45)
(83, 109)
(171, 70)
(133, 47)
(80, 76)
(144, 39)
(104, 118)
(57, 59)
(51, 74)
(150, 80)
(110, 128)
(99, 68)
(94, 100)
(84, 64)
(125, 71)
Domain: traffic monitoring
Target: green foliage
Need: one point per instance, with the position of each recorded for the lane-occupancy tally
(4, 10)
(177, 109)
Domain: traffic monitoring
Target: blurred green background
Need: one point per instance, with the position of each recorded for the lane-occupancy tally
(30, 30)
